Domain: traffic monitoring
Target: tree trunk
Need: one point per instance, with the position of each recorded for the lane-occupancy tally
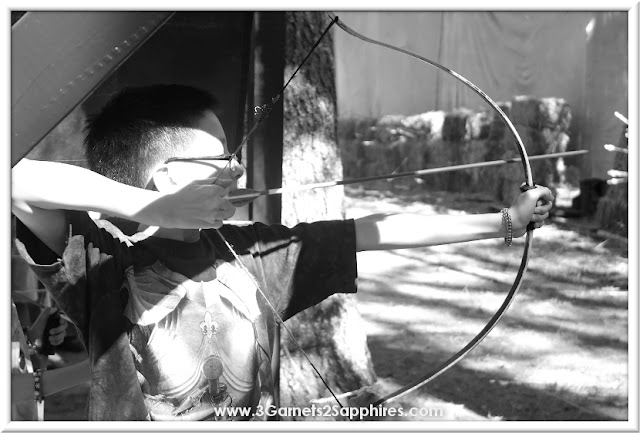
(331, 333)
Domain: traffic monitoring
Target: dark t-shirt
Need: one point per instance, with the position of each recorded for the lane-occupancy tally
(152, 311)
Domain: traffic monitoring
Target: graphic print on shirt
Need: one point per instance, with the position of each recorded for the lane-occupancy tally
(191, 322)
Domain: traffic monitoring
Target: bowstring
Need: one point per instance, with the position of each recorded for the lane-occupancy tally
(263, 111)
(277, 316)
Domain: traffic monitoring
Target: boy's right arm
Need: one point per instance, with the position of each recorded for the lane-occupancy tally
(42, 191)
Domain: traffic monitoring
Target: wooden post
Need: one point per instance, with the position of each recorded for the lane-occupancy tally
(264, 152)
(265, 149)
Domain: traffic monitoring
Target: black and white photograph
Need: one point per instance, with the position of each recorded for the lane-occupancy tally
(345, 219)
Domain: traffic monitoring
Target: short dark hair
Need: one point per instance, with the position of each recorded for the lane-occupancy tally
(141, 127)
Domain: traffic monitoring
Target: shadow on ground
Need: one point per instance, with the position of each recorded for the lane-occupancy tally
(493, 395)
(560, 352)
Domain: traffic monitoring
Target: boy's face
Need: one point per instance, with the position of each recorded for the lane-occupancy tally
(208, 140)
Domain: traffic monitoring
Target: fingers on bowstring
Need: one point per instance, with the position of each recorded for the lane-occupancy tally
(221, 192)
(217, 186)
(213, 181)
(225, 206)
(227, 213)
(224, 183)
(223, 211)
(215, 191)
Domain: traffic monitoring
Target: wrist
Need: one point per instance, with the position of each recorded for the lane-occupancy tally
(137, 206)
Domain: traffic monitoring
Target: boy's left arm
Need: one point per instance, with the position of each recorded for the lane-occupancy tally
(395, 231)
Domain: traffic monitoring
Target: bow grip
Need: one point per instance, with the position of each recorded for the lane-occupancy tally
(524, 187)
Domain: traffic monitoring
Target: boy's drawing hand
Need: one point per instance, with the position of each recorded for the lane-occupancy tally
(197, 205)
(530, 206)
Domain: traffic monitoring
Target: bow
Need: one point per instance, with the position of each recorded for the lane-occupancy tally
(428, 377)
(263, 111)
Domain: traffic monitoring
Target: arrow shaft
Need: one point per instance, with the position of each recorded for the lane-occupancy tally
(422, 172)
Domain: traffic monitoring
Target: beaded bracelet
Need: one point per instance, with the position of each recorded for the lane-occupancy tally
(507, 227)
(37, 390)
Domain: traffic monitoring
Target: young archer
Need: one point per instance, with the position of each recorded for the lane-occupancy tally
(174, 325)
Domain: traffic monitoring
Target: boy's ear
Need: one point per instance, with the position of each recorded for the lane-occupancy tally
(161, 179)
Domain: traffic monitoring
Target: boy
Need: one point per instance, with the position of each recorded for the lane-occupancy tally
(174, 325)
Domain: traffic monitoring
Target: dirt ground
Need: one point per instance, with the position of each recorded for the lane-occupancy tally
(560, 353)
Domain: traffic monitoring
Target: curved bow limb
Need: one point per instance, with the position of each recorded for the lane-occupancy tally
(521, 148)
(528, 241)
(517, 283)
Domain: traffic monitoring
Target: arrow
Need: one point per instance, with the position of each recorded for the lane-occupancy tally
(244, 196)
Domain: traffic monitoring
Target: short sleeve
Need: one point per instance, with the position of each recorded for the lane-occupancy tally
(301, 266)
(326, 264)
